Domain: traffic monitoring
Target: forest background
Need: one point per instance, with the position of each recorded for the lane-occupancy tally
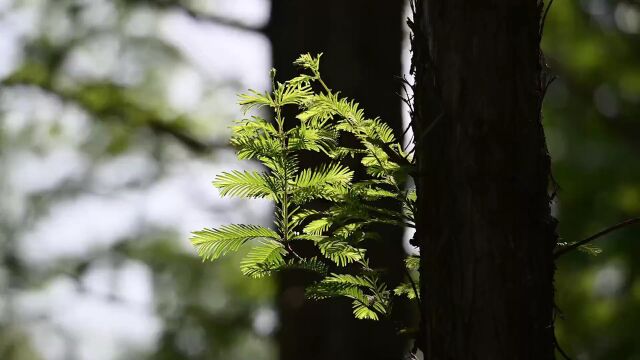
(114, 120)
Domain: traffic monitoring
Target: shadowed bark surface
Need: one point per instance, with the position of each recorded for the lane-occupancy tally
(485, 229)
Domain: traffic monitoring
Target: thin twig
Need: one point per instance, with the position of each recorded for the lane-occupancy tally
(406, 130)
(547, 84)
(599, 234)
(415, 288)
(210, 18)
(564, 355)
(290, 248)
(544, 17)
(153, 122)
(427, 131)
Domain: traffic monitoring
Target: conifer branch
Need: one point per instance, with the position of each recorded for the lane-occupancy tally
(595, 236)
(351, 206)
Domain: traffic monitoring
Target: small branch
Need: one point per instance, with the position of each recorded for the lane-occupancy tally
(599, 234)
(394, 156)
(544, 18)
(152, 121)
(561, 351)
(290, 248)
(194, 145)
(415, 288)
(547, 84)
(210, 18)
(424, 134)
(219, 20)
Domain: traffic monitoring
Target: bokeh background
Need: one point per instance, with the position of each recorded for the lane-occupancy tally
(114, 119)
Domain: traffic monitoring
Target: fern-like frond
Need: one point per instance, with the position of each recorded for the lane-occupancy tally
(409, 205)
(331, 104)
(357, 210)
(248, 184)
(280, 166)
(351, 232)
(324, 290)
(365, 306)
(255, 138)
(318, 226)
(405, 289)
(303, 215)
(315, 116)
(590, 249)
(377, 163)
(301, 80)
(363, 312)
(412, 263)
(291, 94)
(376, 129)
(370, 193)
(255, 100)
(318, 140)
(309, 62)
(332, 174)
(214, 243)
(312, 264)
(256, 147)
(351, 280)
(309, 237)
(340, 152)
(264, 258)
(323, 182)
(339, 251)
(253, 125)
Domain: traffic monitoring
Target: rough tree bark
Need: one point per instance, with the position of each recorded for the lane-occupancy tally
(485, 229)
(361, 41)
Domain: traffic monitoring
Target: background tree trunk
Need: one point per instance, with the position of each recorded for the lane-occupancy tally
(485, 229)
(362, 43)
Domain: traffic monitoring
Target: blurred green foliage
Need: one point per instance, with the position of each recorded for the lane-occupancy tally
(592, 119)
(206, 311)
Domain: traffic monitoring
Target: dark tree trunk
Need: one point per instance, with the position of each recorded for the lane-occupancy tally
(485, 230)
(361, 41)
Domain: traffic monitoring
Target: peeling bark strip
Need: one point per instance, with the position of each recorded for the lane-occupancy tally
(485, 229)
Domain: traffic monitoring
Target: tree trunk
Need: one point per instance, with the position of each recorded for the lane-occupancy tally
(361, 41)
(485, 230)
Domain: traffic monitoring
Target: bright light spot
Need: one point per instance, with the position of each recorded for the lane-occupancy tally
(265, 321)
(224, 54)
(128, 169)
(96, 59)
(627, 18)
(408, 248)
(250, 12)
(106, 329)
(98, 14)
(609, 281)
(78, 226)
(141, 21)
(33, 173)
(185, 88)
(5, 4)
(130, 282)
(9, 48)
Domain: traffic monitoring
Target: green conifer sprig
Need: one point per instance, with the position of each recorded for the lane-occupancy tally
(345, 224)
